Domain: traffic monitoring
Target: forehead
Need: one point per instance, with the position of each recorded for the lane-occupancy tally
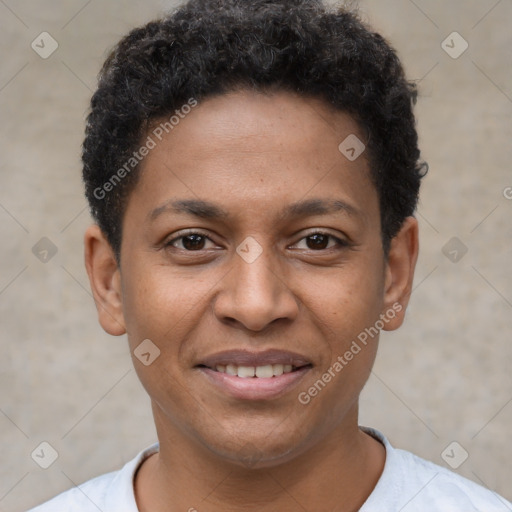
(257, 151)
(274, 121)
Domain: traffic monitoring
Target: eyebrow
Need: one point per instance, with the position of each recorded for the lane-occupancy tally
(310, 207)
(207, 210)
(195, 207)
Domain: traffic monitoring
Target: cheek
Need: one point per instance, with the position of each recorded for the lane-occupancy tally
(348, 299)
(159, 305)
(345, 313)
(163, 308)
(346, 305)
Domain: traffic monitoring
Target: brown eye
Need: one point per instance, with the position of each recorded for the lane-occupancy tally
(317, 241)
(190, 242)
(320, 241)
(193, 242)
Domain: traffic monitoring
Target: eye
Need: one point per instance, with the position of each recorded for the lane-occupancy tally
(192, 241)
(319, 241)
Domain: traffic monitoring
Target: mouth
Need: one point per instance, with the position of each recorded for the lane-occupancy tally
(260, 372)
(255, 376)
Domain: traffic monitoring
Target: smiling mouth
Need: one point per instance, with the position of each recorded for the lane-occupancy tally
(248, 375)
(258, 372)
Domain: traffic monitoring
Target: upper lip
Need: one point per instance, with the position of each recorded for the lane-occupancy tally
(247, 358)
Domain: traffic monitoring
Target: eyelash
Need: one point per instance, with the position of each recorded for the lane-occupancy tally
(190, 233)
(339, 242)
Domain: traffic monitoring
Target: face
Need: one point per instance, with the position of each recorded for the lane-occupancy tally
(252, 245)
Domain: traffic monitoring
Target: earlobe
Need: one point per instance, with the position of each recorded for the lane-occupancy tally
(105, 280)
(400, 266)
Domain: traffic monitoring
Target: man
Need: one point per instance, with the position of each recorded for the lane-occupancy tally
(252, 168)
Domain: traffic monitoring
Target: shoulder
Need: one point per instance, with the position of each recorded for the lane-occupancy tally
(87, 497)
(410, 483)
(437, 485)
(109, 492)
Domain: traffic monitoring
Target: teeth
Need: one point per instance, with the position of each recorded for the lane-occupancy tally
(246, 371)
(231, 369)
(262, 372)
(265, 371)
(278, 369)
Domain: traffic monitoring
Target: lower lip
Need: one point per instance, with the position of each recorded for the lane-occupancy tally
(255, 388)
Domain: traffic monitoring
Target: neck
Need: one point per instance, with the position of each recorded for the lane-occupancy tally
(336, 474)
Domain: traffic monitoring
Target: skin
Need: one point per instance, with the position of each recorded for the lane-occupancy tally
(252, 155)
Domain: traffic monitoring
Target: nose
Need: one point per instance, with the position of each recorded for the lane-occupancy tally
(254, 295)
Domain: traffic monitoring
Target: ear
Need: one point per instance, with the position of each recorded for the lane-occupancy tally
(400, 266)
(105, 279)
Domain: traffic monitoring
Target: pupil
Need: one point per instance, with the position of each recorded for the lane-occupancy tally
(191, 242)
(318, 241)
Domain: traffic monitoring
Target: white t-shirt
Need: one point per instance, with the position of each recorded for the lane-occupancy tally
(407, 484)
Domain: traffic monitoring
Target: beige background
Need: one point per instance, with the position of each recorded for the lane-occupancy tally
(445, 376)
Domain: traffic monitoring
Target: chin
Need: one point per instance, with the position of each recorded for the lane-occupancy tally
(255, 448)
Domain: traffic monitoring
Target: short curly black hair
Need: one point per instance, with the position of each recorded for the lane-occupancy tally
(209, 47)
